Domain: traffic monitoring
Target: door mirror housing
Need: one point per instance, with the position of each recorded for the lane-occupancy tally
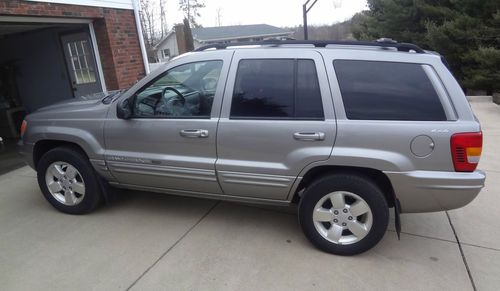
(124, 109)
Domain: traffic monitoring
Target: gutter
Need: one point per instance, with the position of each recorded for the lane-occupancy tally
(141, 38)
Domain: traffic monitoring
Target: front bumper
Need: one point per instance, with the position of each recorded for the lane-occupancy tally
(428, 191)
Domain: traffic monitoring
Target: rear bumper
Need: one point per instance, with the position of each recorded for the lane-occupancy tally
(427, 191)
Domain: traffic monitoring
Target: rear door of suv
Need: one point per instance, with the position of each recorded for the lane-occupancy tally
(277, 117)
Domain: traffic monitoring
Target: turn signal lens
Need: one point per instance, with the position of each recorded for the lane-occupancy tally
(466, 150)
(24, 125)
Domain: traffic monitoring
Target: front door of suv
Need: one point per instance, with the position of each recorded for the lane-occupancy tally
(169, 143)
(277, 117)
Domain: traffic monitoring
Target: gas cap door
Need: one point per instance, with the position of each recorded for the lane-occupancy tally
(422, 146)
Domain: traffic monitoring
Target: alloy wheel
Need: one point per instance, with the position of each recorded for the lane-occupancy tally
(65, 183)
(342, 217)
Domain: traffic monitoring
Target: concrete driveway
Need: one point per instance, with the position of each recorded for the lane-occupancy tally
(157, 242)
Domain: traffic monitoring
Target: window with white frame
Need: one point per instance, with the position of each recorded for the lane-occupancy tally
(165, 53)
(82, 65)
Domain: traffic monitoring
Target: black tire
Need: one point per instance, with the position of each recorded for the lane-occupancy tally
(362, 187)
(93, 194)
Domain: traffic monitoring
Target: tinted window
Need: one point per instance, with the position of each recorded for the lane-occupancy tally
(387, 91)
(270, 88)
(308, 97)
(184, 91)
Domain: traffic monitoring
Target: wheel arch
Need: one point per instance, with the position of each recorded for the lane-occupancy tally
(376, 176)
(41, 147)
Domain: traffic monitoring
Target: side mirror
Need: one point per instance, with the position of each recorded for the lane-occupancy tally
(123, 109)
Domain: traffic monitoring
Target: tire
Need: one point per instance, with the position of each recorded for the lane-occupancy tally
(343, 230)
(79, 190)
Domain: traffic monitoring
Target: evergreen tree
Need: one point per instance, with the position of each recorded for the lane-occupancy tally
(466, 32)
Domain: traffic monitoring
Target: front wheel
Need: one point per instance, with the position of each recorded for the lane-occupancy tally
(343, 214)
(68, 181)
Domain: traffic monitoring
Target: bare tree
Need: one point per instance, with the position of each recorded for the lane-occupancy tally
(153, 18)
(148, 21)
(218, 18)
(163, 18)
(190, 9)
(337, 31)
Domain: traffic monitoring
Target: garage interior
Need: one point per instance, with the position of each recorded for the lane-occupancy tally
(36, 70)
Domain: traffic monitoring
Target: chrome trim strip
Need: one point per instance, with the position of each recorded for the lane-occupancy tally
(99, 164)
(256, 179)
(164, 171)
(451, 187)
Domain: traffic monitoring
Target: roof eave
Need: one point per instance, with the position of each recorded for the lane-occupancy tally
(163, 39)
(245, 36)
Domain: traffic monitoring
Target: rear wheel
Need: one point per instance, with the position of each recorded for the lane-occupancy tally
(68, 181)
(343, 214)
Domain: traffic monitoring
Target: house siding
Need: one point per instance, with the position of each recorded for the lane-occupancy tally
(171, 44)
(116, 35)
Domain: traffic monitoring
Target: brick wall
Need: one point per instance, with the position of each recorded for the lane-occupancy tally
(115, 30)
(124, 44)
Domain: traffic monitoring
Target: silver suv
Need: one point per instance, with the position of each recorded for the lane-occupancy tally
(345, 130)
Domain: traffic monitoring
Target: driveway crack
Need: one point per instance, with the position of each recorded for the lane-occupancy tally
(172, 246)
(462, 253)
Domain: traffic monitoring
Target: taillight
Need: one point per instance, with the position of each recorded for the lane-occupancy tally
(465, 150)
(24, 125)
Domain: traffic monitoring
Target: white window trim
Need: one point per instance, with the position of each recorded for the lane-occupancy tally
(97, 58)
(139, 34)
(43, 19)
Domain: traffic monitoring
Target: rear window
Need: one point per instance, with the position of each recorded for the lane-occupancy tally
(373, 90)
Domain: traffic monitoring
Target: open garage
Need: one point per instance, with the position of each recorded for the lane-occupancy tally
(50, 52)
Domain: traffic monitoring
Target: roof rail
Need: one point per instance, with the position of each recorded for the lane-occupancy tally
(383, 42)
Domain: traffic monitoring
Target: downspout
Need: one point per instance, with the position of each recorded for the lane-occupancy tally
(141, 38)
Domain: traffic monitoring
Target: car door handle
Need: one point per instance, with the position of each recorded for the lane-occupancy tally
(194, 133)
(309, 136)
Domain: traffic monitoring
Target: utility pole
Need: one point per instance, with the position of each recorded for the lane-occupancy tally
(306, 9)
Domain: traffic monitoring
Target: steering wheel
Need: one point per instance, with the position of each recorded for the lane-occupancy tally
(179, 97)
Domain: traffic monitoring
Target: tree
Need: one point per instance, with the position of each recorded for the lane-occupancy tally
(163, 19)
(483, 71)
(147, 21)
(337, 31)
(464, 31)
(153, 23)
(190, 9)
(188, 36)
(218, 17)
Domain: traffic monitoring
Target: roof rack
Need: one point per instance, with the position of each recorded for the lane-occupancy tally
(383, 42)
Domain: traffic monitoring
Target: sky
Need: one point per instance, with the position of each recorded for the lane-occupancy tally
(274, 12)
